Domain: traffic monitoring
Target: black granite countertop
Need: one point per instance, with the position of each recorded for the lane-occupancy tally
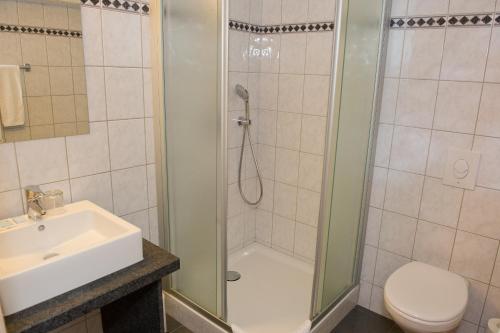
(64, 308)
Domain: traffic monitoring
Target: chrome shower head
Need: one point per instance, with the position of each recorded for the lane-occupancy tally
(242, 92)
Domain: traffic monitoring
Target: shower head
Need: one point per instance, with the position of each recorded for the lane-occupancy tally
(242, 92)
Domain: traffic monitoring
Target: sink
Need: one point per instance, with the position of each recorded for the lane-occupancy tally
(68, 248)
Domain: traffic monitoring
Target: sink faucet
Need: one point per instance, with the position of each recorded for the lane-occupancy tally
(34, 196)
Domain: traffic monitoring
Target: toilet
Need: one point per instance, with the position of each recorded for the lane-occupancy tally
(422, 298)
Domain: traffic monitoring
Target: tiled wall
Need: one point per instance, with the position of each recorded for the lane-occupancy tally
(441, 90)
(289, 75)
(113, 166)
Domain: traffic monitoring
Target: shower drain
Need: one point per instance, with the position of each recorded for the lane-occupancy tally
(233, 276)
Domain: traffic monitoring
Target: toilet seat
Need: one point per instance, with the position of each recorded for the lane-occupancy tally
(426, 297)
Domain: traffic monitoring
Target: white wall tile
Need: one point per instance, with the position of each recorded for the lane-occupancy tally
(269, 53)
(271, 12)
(305, 241)
(293, 53)
(313, 132)
(291, 90)
(239, 10)
(480, 211)
(477, 297)
(89, 154)
(457, 106)
(489, 173)
(127, 143)
(369, 261)
(476, 6)
(493, 66)
(383, 145)
(365, 294)
(127, 182)
(433, 244)
(264, 226)
(387, 263)
(399, 8)
(285, 200)
(422, 53)
(96, 188)
(310, 171)
(96, 93)
(488, 122)
(92, 36)
(373, 224)
(492, 306)
(150, 140)
(268, 92)
(389, 100)
(294, 11)
(465, 53)
(474, 256)
(124, 96)
(266, 158)
(308, 207)
(238, 51)
(321, 10)
(151, 172)
(316, 93)
(319, 52)
(283, 233)
(397, 234)
(440, 203)
(287, 166)
(403, 192)
(42, 161)
(288, 130)
(140, 220)
(379, 182)
(394, 53)
(416, 103)
(427, 7)
(11, 204)
(410, 147)
(121, 37)
(9, 177)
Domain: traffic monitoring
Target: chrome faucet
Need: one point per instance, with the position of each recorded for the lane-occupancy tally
(34, 197)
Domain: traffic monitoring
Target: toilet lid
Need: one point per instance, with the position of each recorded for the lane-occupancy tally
(426, 292)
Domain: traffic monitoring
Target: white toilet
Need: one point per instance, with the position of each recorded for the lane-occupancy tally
(422, 298)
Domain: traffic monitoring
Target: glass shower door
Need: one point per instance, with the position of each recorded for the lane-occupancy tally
(358, 56)
(192, 44)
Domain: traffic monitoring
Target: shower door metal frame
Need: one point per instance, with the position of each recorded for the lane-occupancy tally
(338, 58)
(161, 154)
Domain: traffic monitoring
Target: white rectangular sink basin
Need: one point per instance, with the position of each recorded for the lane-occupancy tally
(79, 243)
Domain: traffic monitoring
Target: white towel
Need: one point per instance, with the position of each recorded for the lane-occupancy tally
(305, 328)
(11, 96)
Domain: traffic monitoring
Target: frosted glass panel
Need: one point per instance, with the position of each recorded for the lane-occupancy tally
(354, 116)
(191, 88)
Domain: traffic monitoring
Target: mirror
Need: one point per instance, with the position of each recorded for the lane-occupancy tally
(43, 91)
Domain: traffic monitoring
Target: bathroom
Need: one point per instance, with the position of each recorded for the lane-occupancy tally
(250, 166)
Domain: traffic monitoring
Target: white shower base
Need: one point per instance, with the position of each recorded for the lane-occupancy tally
(273, 294)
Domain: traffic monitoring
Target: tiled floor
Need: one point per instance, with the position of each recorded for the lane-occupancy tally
(173, 326)
(361, 320)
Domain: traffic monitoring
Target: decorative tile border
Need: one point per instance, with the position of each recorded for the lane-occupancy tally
(39, 30)
(282, 28)
(129, 6)
(464, 20)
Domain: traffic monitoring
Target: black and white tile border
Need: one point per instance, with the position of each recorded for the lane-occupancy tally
(282, 28)
(463, 20)
(39, 30)
(120, 5)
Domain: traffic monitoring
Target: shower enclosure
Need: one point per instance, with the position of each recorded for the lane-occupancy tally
(285, 209)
